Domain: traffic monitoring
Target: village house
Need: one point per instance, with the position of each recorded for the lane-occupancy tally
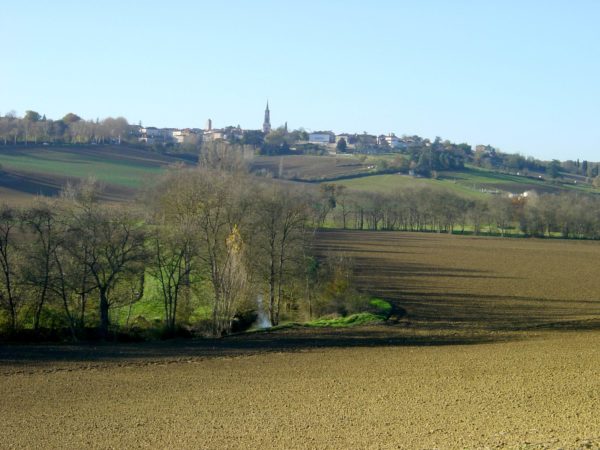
(321, 137)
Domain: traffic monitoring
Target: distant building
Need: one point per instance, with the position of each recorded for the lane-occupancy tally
(214, 135)
(321, 138)
(267, 121)
(394, 142)
(153, 135)
(227, 133)
(186, 136)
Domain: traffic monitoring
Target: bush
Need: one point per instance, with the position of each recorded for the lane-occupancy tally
(364, 318)
(380, 307)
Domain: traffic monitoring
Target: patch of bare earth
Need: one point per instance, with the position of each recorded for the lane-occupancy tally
(540, 392)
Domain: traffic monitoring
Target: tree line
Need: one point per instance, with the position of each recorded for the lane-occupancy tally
(566, 215)
(71, 129)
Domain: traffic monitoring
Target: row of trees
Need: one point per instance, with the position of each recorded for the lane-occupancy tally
(35, 128)
(568, 215)
(206, 238)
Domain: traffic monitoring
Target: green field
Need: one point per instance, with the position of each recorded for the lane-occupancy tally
(477, 178)
(391, 183)
(470, 182)
(35, 170)
(45, 170)
(113, 165)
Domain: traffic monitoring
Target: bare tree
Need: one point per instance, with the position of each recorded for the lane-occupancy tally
(223, 156)
(173, 252)
(115, 251)
(10, 298)
(214, 203)
(280, 220)
(40, 221)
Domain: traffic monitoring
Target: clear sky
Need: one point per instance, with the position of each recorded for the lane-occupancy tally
(523, 76)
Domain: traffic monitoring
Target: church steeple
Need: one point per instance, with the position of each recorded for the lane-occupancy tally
(267, 122)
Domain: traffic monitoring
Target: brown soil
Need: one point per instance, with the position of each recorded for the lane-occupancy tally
(491, 283)
(540, 392)
(303, 167)
(500, 348)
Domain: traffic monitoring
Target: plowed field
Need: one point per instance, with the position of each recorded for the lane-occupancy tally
(499, 348)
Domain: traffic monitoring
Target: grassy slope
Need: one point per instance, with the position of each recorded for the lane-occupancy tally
(476, 177)
(469, 182)
(108, 166)
(46, 169)
(390, 183)
(309, 167)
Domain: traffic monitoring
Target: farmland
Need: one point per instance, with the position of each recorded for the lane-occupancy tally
(490, 283)
(33, 170)
(470, 182)
(45, 170)
(309, 168)
(361, 175)
(392, 182)
(498, 347)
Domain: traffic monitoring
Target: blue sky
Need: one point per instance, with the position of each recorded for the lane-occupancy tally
(523, 76)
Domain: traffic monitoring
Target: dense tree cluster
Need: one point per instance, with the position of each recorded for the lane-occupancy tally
(439, 155)
(212, 239)
(209, 237)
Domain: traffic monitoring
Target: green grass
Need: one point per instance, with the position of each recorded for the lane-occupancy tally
(381, 311)
(352, 320)
(382, 307)
(475, 176)
(470, 182)
(106, 167)
(391, 183)
(151, 306)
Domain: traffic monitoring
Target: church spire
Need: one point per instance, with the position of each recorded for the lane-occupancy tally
(267, 122)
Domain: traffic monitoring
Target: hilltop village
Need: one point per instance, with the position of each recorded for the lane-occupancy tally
(411, 154)
(342, 142)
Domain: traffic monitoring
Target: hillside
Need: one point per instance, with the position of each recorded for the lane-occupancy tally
(361, 174)
(33, 170)
(309, 167)
(470, 182)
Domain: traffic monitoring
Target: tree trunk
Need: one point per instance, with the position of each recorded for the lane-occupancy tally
(104, 319)
(272, 315)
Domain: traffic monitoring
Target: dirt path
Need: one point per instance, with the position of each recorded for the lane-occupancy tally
(541, 392)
